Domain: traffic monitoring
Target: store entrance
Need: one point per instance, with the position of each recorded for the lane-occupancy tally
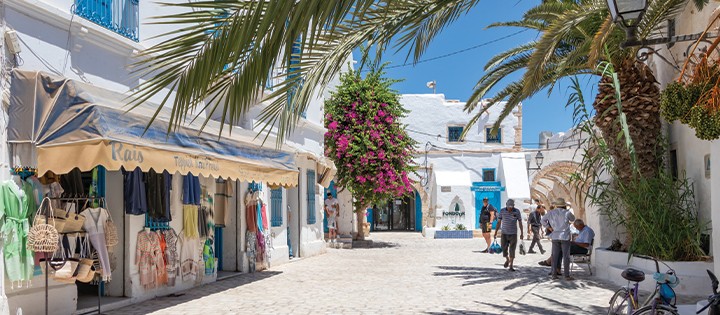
(395, 215)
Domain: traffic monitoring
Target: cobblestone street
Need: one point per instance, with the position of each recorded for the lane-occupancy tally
(403, 274)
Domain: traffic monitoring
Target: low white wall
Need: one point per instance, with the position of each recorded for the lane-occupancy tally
(62, 298)
(694, 281)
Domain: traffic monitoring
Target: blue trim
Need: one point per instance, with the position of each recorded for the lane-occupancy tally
(494, 174)
(490, 138)
(454, 133)
(276, 199)
(219, 246)
(331, 189)
(100, 12)
(418, 212)
(311, 197)
(292, 75)
(493, 196)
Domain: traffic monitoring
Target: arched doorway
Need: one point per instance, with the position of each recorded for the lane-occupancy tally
(554, 181)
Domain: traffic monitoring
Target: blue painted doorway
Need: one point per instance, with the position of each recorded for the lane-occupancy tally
(491, 190)
(333, 190)
(418, 212)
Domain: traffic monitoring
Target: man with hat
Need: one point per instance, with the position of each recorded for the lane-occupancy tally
(487, 216)
(558, 221)
(509, 219)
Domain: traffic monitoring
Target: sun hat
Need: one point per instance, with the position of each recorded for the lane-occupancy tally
(559, 202)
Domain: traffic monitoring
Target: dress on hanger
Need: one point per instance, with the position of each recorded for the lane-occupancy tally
(189, 262)
(95, 227)
(14, 208)
(172, 257)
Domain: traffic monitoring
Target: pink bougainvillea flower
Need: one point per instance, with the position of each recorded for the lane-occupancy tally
(333, 125)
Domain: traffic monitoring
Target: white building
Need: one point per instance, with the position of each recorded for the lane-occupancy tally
(459, 174)
(60, 47)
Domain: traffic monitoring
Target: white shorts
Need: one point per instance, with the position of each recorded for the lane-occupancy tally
(331, 223)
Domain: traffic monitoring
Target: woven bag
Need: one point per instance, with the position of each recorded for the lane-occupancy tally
(85, 269)
(73, 222)
(111, 234)
(43, 237)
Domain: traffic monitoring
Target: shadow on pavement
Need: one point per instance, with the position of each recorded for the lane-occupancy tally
(523, 276)
(373, 244)
(163, 302)
(551, 306)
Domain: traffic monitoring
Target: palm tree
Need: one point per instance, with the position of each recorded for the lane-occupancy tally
(225, 51)
(575, 36)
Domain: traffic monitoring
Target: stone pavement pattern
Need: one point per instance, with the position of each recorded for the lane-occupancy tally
(403, 274)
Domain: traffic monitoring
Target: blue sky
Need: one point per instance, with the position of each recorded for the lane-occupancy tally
(456, 75)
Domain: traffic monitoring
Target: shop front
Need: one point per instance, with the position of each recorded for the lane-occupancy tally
(185, 206)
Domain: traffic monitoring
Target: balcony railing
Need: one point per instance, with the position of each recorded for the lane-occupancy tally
(119, 16)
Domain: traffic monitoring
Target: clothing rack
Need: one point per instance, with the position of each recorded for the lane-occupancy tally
(74, 197)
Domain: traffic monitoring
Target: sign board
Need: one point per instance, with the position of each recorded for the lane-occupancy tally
(487, 188)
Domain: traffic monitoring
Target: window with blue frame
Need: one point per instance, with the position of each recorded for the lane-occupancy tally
(488, 174)
(491, 137)
(454, 133)
(295, 58)
(119, 16)
(311, 197)
(276, 199)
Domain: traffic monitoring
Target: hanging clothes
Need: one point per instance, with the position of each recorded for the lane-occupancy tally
(251, 217)
(72, 183)
(166, 215)
(190, 221)
(134, 192)
(202, 222)
(95, 227)
(146, 254)
(209, 257)
(263, 211)
(260, 248)
(191, 190)
(54, 190)
(155, 185)
(172, 257)
(224, 192)
(15, 213)
(251, 239)
(37, 189)
(49, 177)
(189, 262)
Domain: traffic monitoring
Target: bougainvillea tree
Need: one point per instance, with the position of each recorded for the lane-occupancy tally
(367, 141)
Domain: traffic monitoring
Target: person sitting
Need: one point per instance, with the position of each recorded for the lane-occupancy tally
(579, 246)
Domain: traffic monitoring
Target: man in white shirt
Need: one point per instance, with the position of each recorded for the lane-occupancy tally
(332, 211)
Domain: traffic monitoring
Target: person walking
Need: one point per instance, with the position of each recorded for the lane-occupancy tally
(534, 221)
(487, 216)
(510, 221)
(332, 210)
(557, 221)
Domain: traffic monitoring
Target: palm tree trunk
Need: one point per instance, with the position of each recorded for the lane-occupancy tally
(640, 103)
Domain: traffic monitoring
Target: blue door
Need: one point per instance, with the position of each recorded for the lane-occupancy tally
(491, 190)
(332, 190)
(418, 212)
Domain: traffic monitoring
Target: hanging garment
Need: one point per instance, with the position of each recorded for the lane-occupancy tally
(209, 257)
(259, 213)
(29, 193)
(189, 263)
(95, 227)
(38, 190)
(251, 238)
(155, 185)
(191, 189)
(134, 192)
(202, 222)
(172, 257)
(49, 177)
(146, 251)
(190, 221)
(54, 190)
(260, 248)
(263, 211)
(251, 213)
(166, 215)
(72, 183)
(159, 260)
(224, 193)
(4, 305)
(15, 213)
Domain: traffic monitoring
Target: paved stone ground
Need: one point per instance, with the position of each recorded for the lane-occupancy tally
(403, 274)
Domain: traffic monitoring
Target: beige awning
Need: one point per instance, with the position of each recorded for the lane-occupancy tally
(73, 124)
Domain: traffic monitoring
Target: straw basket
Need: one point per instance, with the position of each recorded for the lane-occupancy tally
(111, 234)
(42, 237)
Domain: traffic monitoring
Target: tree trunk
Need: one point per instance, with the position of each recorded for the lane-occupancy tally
(640, 103)
(360, 222)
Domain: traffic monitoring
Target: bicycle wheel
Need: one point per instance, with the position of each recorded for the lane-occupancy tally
(620, 303)
(657, 310)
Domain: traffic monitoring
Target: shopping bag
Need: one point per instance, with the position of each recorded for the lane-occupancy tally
(522, 248)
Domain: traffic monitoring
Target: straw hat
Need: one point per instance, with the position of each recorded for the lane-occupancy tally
(559, 202)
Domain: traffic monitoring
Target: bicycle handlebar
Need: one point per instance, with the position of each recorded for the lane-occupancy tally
(657, 265)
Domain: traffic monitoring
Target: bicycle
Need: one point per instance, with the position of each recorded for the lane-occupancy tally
(713, 305)
(660, 302)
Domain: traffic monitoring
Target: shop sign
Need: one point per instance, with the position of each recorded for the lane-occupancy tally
(487, 188)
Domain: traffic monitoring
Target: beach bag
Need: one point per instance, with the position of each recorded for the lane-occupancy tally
(73, 221)
(43, 236)
(85, 269)
(111, 234)
(495, 248)
(522, 248)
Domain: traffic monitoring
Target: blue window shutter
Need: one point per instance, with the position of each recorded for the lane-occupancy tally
(125, 21)
(311, 197)
(294, 60)
(276, 199)
(491, 138)
(454, 133)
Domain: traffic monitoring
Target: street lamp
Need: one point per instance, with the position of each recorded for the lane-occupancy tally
(538, 161)
(629, 13)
